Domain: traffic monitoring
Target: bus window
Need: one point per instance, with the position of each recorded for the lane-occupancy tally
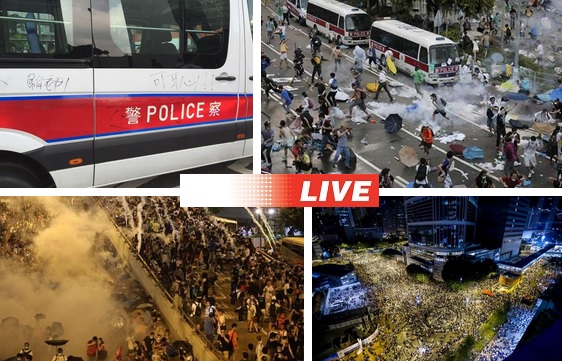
(423, 54)
(42, 29)
(157, 34)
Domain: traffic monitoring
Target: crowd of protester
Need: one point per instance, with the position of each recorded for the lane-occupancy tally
(188, 249)
(428, 321)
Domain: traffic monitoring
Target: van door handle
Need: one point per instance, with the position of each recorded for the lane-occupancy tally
(226, 77)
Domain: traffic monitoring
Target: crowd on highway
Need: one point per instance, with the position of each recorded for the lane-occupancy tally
(429, 321)
(317, 130)
(187, 250)
(508, 336)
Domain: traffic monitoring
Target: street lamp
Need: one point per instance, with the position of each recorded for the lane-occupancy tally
(515, 74)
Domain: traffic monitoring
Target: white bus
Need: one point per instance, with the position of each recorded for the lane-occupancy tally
(340, 22)
(298, 9)
(413, 47)
(94, 93)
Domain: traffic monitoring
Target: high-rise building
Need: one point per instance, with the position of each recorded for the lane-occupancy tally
(502, 221)
(393, 215)
(438, 228)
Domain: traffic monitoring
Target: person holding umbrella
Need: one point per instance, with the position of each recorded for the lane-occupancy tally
(59, 356)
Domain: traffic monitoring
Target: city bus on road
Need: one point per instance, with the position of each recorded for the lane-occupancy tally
(292, 250)
(340, 22)
(95, 93)
(412, 47)
(298, 9)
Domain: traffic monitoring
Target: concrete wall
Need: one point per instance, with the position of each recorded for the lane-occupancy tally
(179, 327)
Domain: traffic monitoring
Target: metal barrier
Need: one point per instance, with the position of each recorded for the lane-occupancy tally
(182, 326)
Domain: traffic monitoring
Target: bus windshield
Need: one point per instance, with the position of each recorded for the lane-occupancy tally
(440, 54)
(359, 22)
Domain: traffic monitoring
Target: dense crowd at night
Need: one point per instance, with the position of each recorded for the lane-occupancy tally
(428, 321)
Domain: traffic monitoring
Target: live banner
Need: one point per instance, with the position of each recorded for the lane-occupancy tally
(279, 190)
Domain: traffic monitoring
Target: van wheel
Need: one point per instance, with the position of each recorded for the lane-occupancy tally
(17, 176)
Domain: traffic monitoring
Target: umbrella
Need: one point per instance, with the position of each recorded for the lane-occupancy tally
(543, 128)
(473, 153)
(144, 305)
(408, 156)
(458, 149)
(393, 123)
(497, 57)
(556, 93)
(56, 342)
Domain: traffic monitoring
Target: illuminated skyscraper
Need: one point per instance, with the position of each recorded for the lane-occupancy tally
(438, 227)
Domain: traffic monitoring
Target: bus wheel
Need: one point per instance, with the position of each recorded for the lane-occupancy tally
(17, 176)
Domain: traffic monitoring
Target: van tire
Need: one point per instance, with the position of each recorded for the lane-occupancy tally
(14, 175)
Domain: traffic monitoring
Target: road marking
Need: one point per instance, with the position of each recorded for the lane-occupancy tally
(402, 182)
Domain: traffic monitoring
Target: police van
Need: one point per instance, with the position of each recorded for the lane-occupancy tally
(96, 92)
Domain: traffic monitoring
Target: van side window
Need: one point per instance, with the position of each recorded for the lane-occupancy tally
(159, 34)
(423, 54)
(49, 29)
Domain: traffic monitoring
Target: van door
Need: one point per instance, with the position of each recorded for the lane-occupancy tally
(245, 120)
(167, 85)
(46, 85)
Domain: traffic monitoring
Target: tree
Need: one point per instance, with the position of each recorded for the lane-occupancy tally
(292, 217)
(475, 7)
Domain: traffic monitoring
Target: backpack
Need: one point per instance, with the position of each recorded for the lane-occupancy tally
(427, 135)
(310, 104)
(334, 84)
(291, 96)
(197, 309)
(316, 42)
(508, 32)
(363, 95)
(443, 101)
(275, 24)
(421, 173)
(92, 349)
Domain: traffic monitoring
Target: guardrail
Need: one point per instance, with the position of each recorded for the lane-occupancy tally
(181, 325)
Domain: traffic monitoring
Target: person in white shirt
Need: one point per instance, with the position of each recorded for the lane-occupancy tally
(544, 117)
(383, 84)
(529, 154)
(540, 52)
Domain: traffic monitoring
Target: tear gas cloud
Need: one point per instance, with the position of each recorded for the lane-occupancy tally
(70, 287)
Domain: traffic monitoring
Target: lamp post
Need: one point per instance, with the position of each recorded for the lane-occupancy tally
(515, 74)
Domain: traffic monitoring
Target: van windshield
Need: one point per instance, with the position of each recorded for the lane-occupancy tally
(358, 22)
(440, 54)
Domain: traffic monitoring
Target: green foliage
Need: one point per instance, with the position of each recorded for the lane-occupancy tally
(390, 253)
(292, 217)
(491, 326)
(464, 351)
(454, 34)
(472, 8)
(467, 269)
(418, 273)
